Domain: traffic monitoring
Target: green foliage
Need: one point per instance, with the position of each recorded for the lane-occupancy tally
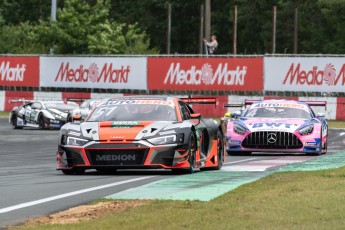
(140, 26)
(81, 28)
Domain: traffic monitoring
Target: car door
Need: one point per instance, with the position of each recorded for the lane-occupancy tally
(36, 107)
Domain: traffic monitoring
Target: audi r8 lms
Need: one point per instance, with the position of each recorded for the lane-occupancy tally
(277, 126)
(83, 110)
(143, 132)
(40, 114)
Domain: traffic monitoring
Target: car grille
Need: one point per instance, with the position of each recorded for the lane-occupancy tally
(117, 157)
(272, 140)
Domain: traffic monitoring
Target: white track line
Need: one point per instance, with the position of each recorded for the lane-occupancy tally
(240, 161)
(32, 203)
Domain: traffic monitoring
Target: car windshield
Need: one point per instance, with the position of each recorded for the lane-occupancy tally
(60, 105)
(278, 112)
(134, 112)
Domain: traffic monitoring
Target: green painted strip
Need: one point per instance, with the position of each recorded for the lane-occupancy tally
(328, 161)
(202, 186)
(205, 186)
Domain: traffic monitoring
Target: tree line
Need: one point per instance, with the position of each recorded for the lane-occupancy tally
(140, 26)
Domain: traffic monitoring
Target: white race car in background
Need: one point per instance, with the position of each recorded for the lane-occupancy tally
(40, 114)
(83, 110)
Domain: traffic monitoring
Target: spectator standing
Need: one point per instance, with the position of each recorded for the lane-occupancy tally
(211, 47)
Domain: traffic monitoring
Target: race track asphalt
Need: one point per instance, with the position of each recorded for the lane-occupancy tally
(30, 186)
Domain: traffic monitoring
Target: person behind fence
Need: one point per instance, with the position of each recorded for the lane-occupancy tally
(212, 45)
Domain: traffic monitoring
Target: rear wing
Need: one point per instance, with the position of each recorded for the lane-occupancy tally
(239, 105)
(21, 100)
(77, 99)
(200, 100)
(242, 105)
(316, 103)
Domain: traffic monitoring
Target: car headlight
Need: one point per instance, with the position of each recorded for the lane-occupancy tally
(76, 141)
(239, 129)
(169, 139)
(306, 130)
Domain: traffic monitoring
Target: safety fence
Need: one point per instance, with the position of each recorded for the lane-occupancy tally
(227, 77)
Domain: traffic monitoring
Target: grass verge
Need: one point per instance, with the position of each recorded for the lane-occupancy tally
(289, 200)
(4, 114)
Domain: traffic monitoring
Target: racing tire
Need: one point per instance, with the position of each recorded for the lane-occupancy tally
(73, 171)
(14, 123)
(192, 148)
(40, 121)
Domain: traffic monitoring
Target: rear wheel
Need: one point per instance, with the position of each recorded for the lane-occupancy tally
(14, 122)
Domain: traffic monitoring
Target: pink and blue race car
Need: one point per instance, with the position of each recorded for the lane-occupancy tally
(277, 126)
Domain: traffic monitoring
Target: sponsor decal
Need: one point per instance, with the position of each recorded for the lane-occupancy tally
(107, 73)
(310, 143)
(271, 125)
(274, 105)
(125, 123)
(327, 76)
(19, 71)
(117, 137)
(12, 73)
(117, 157)
(241, 74)
(223, 75)
(126, 102)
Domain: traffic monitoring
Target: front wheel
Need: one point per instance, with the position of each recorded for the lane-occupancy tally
(41, 122)
(192, 148)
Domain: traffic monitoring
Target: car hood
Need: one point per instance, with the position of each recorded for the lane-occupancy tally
(272, 124)
(122, 130)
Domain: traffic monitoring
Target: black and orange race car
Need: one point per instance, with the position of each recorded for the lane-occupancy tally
(142, 132)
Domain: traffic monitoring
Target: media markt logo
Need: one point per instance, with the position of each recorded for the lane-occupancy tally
(193, 76)
(327, 76)
(108, 73)
(11, 73)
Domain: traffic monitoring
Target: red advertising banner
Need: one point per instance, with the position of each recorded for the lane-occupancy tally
(19, 71)
(15, 95)
(217, 74)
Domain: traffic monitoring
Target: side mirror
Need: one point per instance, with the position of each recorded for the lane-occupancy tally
(196, 117)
